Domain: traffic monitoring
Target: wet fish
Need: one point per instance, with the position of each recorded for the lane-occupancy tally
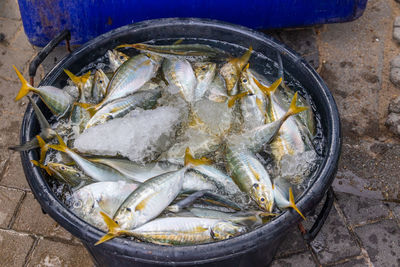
(230, 71)
(122, 106)
(90, 200)
(188, 51)
(254, 139)
(250, 175)
(100, 82)
(130, 77)
(58, 101)
(179, 73)
(282, 202)
(69, 174)
(205, 72)
(177, 230)
(116, 59)
(97, 172)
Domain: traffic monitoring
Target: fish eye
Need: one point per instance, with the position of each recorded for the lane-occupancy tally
(245, 80)
(128, 209)
(203, 68)
(262, 199)
(256, 185)
(62, 168)
(100, 81)
(77, 204)
(121, 57)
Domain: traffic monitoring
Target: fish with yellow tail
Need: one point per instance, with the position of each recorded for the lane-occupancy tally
(254, 139)
(58, 101)
(282, 202)
(149, 199)
(176, 230)
(100, 82)
(116, 59)
(83, 82)
(96, 171)
(230, 71)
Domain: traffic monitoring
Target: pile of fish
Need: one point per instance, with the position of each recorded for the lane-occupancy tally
(165, 145)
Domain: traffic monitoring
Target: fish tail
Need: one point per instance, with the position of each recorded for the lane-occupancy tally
(25, 87)
(38, 164)
(78, 80)
(189, 160)
(244, 59)
(137, 46)
(43, 148)
(294, 109)
(234, 98)
(61, 146)
(268, 90)
(91, 108)
(293, 204)
(113, 229)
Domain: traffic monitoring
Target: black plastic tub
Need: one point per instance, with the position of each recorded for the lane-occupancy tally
(255, 248)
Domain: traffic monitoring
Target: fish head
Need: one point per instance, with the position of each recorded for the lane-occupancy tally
(262, 196)
(204, 70)
(224, 230)
(63, 170)
(100, 78)
(126, 218)
(118, 56)
(83, 202)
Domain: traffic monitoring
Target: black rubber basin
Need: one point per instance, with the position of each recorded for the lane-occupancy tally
(255, 248)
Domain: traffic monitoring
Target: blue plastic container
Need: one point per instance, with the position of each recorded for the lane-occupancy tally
(87, 19)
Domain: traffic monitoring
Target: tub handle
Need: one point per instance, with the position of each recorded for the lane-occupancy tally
(322, 216)
(64, 35)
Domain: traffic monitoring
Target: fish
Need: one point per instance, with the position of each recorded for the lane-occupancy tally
(179, 73)
(46, 132)
(194, 52)
(254, 139)
(253, 107)
(116, 59)
(79, 117)
(250, 175)
(282, 202)
(130, 77)
(217, 91)
(88, 201)
(68, 174)
(100, 82)
(96, 171)
(205, 72)
(230, 71)
(58, 101)
(122, 106)
(177, 230)
(290, 138)
(247, 218)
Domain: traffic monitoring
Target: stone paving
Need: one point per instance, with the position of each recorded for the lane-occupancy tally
(363, 228)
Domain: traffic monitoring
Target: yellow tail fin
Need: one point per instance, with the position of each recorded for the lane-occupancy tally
(91, 108)
(43, 148)
(294, 109)
(25, 87)
(78, 80)
(232, 99)
(38, 164)
(244, 59)
(189, 160)
(113, 229)
(61, 146)
(268, 90)
(293, 205)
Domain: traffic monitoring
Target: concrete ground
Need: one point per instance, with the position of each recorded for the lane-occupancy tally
(363, 228)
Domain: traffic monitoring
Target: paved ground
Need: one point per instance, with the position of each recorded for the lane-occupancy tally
(363, 228)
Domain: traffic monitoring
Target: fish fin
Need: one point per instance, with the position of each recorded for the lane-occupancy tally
(232, 99)
(246, 67)
(78, 80)
(25, 87)
(268, 214)
(293, 204)
(294, 109)
(127, 45)
(113, 229)
(142, 204)
(27, 146)
(268, 90)
(256, 174)
(260, 105)
(43, 148)
(61, 146)
(46, 168)
(189, 160)
(178, 41)
(44, 124)
(91, 108)
(244, 59)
